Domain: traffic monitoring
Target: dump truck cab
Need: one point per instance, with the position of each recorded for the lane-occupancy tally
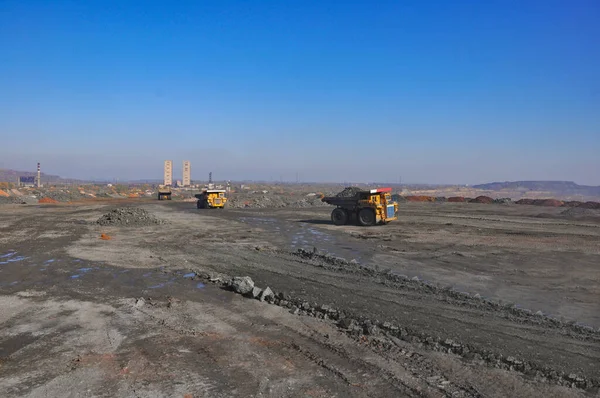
(365, 207)
(211, 199)
(164, 193)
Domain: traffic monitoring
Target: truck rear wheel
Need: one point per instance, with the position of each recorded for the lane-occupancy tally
(339, 216)
(366, 217)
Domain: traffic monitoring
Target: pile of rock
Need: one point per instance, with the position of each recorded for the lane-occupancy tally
(581, 213)
(18, 200)
(503, 201)
(245, 285)
(348, 192)
(482, 199)
(129, 216)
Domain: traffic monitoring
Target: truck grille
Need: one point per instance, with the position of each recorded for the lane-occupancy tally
(391, 211)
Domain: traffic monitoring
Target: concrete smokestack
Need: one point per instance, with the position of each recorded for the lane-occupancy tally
(39, 176)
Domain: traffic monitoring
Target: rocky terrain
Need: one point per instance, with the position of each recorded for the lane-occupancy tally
(454, 299)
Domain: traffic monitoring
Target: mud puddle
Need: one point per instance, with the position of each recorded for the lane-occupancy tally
(36, 272)
(301, 235)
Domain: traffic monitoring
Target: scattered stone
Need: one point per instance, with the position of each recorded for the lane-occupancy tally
(347, 323)
(255, 293)
(266, 294)
(242, 284)
(139, 302)
(370, 329)
(172, 301)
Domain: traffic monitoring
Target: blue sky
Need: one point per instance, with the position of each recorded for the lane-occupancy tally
(433, 91)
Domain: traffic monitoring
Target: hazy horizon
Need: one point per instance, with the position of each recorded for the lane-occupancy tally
(430, 92)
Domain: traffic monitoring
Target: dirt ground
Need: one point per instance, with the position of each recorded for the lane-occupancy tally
(453, 300)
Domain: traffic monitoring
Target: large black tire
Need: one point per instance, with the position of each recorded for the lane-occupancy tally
(366, 217)
(339, 216)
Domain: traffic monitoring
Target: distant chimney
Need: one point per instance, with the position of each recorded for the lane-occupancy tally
(39, 176)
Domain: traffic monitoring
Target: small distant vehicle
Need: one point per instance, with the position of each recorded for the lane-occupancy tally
(365, 207)
(164, 193)
(211, 199)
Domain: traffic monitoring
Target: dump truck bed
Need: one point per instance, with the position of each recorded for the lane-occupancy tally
(340, 201)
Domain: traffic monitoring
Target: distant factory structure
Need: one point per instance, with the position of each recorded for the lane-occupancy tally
(187, 174)
(31, 181)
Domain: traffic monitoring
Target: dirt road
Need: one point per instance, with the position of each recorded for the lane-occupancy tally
(360, 312)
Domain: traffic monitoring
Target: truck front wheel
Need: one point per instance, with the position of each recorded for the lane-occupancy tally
(366, 217)
(339, 216)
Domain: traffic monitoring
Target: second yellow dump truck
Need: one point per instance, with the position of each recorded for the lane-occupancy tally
(365, 207)
(211, 199)
(164, 193)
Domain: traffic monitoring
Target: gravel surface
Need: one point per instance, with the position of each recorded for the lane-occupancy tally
(454, 301)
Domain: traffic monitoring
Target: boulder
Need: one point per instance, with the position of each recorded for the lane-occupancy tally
(256, 291)
(266, 294)
(242, 284)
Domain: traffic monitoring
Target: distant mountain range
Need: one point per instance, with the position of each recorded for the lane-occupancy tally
(558, 187)
(8, 175)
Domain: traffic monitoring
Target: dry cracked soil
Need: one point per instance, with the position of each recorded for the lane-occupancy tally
(453, 300)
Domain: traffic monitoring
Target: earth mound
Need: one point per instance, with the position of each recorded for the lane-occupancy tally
(129, 216)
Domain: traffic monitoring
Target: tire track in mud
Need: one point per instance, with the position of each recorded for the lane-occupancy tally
(493, 356)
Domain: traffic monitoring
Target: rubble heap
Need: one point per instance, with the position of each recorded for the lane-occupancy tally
(129, 216)
(348, 192)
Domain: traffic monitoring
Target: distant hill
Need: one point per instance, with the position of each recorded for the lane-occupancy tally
(558, 187)
(8, 175)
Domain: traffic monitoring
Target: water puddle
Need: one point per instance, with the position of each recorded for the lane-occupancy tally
(302, 236)
(16, 259)
(38, 271)
(157, 286)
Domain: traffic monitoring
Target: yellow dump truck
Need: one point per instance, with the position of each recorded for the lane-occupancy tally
(164, 193)
(211, 199)
(365, 207)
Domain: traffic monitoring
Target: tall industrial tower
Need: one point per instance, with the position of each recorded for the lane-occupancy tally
(168, 172)
(39, 176)
(187, 173)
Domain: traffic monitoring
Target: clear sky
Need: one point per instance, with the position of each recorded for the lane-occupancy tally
(433, 91)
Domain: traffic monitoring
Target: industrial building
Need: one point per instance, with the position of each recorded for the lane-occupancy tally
(168, 180)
